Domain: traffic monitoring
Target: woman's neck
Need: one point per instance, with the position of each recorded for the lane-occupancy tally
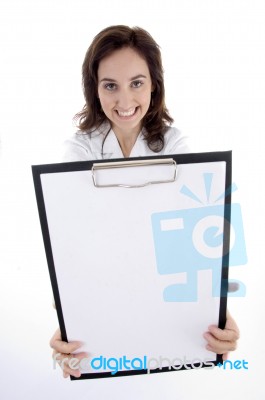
(126, 140)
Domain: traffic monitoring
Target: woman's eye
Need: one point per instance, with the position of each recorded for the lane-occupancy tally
(137, 84)
(110, 86)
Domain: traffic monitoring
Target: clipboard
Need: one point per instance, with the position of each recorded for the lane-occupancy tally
(126, 243)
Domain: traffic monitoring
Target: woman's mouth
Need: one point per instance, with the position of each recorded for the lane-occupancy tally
(126, 114)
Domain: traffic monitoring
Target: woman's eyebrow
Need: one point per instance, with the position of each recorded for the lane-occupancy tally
(108, 79)
(137, 77)
(131, 79)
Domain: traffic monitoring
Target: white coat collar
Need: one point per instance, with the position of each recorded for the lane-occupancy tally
(112, 149)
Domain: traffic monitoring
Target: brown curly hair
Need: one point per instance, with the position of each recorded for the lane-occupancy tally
(113, 38)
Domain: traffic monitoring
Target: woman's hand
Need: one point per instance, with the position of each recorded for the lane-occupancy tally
(221, 341)
(62, 354)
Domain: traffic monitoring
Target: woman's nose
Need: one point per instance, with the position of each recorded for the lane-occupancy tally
(124, 100)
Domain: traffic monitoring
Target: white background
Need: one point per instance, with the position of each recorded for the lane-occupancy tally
(214, 60)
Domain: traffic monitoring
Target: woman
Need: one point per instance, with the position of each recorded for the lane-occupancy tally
(125, 116)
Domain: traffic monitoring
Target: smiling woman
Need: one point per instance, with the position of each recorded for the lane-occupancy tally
(123, 87)
(125, 116)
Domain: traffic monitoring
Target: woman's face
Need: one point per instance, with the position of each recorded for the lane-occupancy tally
(124, 90)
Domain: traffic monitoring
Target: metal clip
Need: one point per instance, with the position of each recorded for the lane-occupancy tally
(128, 164)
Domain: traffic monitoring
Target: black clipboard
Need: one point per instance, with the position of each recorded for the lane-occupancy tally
(85, 191)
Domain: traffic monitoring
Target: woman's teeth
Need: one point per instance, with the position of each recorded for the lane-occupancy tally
(126, 113)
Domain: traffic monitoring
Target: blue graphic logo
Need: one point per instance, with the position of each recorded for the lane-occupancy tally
(190, 240)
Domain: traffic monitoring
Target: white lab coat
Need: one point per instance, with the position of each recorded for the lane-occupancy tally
(88, 146)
